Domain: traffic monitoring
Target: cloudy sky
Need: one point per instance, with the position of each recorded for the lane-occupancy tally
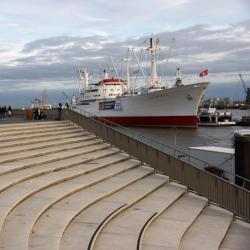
(43, 41)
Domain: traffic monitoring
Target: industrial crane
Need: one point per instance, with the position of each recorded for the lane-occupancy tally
(246, 90)
(65, 95)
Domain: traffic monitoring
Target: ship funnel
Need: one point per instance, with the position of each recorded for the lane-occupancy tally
(178, 81)
(105, 74)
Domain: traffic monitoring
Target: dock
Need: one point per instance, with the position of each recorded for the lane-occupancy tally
(217, 124)
(64, 186)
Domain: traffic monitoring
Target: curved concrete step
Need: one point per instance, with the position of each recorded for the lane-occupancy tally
(45, 145)
(36, 131)
(208, 230)
(82, 227)
(166, 230)
(14, 195)
(238, 236)
(33, 124)
(31, 127)
(52, 133)
(26, 163)
(28, 212)
(124, 230)
(34, 141)
(71, 164)
(53, 229)
(48, 150)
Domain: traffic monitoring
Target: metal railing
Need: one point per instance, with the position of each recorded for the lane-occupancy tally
(165, 160)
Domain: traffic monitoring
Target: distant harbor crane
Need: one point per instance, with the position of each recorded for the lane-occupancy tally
(65, 95)
(246, 90)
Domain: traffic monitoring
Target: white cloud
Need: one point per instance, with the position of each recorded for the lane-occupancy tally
(196, 48)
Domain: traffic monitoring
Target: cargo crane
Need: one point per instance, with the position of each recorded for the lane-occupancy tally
(66, 96)
(246, 90)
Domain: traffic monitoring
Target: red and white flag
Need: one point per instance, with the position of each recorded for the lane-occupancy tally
(204, 73)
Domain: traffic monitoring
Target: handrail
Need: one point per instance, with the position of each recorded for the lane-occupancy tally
(180, 155)
(218, 190)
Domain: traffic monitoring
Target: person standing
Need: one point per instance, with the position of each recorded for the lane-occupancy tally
(59, 108)
(9, 111)
(4, 110)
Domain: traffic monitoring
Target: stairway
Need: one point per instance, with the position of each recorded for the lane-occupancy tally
(61, 187)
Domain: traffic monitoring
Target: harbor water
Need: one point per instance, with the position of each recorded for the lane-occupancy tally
(183, 138)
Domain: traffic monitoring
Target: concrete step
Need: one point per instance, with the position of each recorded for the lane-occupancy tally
(42, 145)
(26, 163)
(238, 236)
(208, 230)
(36, 131)
(79, 231)
(31, 127)
(47, 134)
(71, 164)
(53, 229)
(48, 150)
(124, 230)
(32, 210)
(33, 124)
(14, 195)
(166, 230)
(34, 141)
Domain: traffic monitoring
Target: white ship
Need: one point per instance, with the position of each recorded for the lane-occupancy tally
(115, 100)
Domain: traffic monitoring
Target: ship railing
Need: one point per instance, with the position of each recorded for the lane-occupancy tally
(170, 161)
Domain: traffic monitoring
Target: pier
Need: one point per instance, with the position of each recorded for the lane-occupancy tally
(83, 183)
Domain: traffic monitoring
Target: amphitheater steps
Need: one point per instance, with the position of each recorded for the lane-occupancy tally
(208, 230)
(33, 124)
(36, 131)
(12, 196)
(48, 150)
(63, 188)
(46, 144)
(123, 231)
(34, 141)
(238, 236)
(79, 231)
(32, 162)
(167, 229)
(70, 164)
(41, 134)
(26, 213)
(29, 126)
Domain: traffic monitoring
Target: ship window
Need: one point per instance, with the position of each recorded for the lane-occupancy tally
(92, 90)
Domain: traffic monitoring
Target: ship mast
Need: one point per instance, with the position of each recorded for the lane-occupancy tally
(152, 49)
(126, 62)
(84, 75)
(117, 75)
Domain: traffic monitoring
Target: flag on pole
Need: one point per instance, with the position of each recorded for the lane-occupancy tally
(204, 73)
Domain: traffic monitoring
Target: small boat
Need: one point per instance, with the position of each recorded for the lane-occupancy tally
(211, 117)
